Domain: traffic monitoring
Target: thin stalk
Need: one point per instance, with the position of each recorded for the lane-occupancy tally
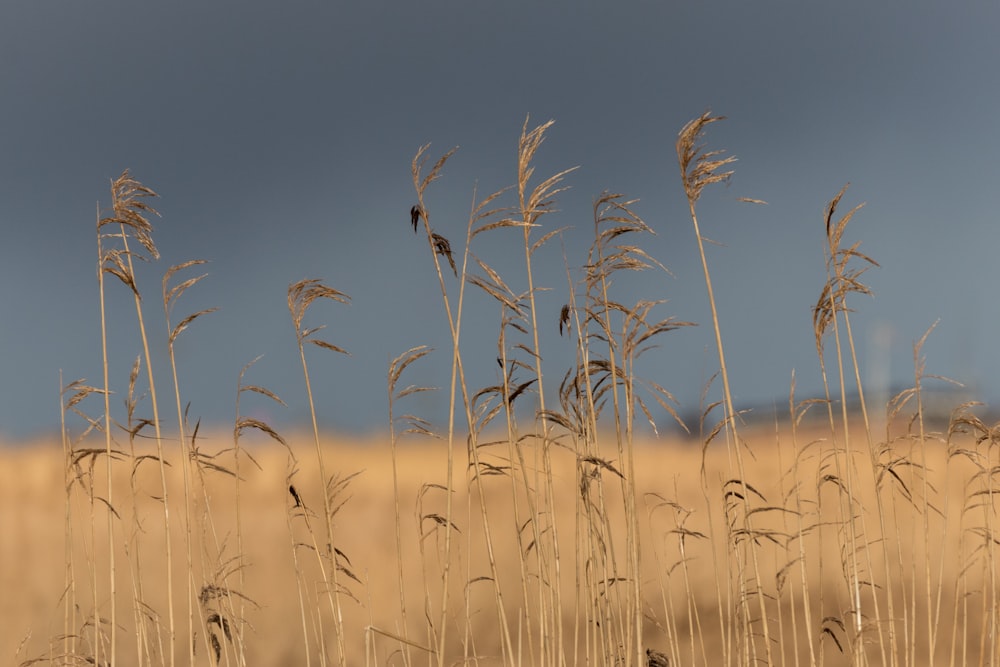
(333, 590)
(699, 169)
(417, 426)
(532, 206)
(185, 449)
(69, 600)
(108, 454)
(300, 296)
(168, 542)
(439, 246)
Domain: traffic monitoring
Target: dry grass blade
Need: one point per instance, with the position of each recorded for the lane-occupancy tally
(418, 426)
(486, 414)
(400, 364)
(520, 389)
(487, 392)
(497, 288)
(245, 423)
(699, 168)
(80, 392)
(183, 324)
(328, 346)
(545, 239)
(113, 263)
(413, 389)
(263, 392)
(396, 637)
(601, 463)
(543, 196)
(486, 469)
(480, 213)
(497, 224)
(171, 295)
(495, 277)
(439, 522)
(338, 483)
(562, 420)
(528, 351)
(666, 402)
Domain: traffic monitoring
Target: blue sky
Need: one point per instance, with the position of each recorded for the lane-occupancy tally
(279, 136)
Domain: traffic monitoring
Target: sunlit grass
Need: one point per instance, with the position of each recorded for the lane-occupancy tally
(535, 526)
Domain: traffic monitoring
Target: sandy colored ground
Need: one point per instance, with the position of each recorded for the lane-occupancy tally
(33, 545)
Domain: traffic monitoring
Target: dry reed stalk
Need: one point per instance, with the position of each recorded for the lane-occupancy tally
(130, 215)
(698, 170)
(627, 333)
(420, 183)
(519, 315)
(242, 424)
(977, 547)
(414, 425)
(481, 218)
(77, 391)
(532, 205)
(132, 545)
(490, 402)
(300, 581)
(171, 294)
(301, 296)
(830, 311)
(108, 455)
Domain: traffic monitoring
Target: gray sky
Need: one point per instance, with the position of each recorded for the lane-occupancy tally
(279, 136)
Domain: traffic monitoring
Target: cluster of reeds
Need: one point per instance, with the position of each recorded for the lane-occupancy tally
(842, 554)
(211, 620)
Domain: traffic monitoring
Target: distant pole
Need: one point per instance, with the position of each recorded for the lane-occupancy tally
(879, 372)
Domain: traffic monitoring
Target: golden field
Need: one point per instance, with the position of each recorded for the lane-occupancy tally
(910, 556)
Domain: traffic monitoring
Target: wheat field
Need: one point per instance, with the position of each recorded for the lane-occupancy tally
(535, 527)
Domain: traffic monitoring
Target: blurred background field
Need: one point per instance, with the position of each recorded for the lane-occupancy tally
(667, 471)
